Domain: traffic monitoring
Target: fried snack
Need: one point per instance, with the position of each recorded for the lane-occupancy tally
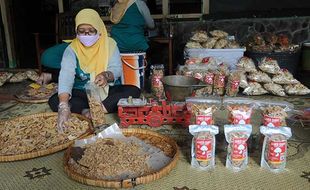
(192, 44)
(221, 43)
(270, 38)
(18, 77)
(275, 151)
(232, 87)
(210, 43)
(259, 77)
(203, 145)
(243, 80)
(237, 148)
(32, 75)
(269, 65)
(5, 76)
(284, 77)
(22, 136)
(219, 33)
(296, 89)
(254, 88)
(43, 92)
(96, 111)
(232, 45)
(203, 113)
(200, 36)
(239, 113)
(274, 89)
(219, 84)
(209, 80)
(246, 64)
(112, 159)
(274, 116)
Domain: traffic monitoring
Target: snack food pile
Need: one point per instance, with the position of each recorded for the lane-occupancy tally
(18, 77)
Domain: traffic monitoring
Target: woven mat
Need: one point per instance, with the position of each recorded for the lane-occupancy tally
(47, 172)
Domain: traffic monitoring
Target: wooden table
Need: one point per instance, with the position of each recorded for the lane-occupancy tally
(169, 41)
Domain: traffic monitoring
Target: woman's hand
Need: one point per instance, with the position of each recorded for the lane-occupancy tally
(63, 116)
(104, 78)
(44, 78)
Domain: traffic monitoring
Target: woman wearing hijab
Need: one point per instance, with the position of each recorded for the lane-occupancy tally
(130, 18)
(91, 56)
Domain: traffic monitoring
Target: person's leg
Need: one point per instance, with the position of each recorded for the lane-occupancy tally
(78, 101)
(118, 92)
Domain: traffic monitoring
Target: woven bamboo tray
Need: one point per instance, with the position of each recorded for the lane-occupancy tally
(48, 151)
(150, 137)
(23, 97)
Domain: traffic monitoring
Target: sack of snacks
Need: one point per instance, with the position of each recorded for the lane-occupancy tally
(274, 150)
(254, 88)
(269, 65)
(259, 77)
(203, 146)
(232, 87)
(240, 110)
(246, 64)
(296, 89)
(274, 89)
(96, 95)
(284, 77)
(157, 87)
(237, 149)
(202, 109)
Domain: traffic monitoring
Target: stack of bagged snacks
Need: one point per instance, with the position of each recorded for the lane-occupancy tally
(202, 109)
(157, 87)
(95, 103)
(274, 150)
(237, 149)
(203, 146)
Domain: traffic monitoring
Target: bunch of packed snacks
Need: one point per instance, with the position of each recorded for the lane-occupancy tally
(246, 64)
(202, 109)
(95, 103)
(254, 88)
(26, 135)
(5, 76)
(296, 89)
(232, 87)
(240, 110)
(275, 89)
(237, 149)
(157, 87)
(274, 150)
(259, 76)
(269, 65)
(203, 146)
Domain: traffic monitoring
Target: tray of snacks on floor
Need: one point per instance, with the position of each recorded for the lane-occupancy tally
(36, 135)
(35, 93)
(121, 158)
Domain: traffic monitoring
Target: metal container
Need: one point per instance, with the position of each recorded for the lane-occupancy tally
(178, 87)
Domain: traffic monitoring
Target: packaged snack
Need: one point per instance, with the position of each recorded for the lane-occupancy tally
(210, 43)
(219, 33)
(95, 95)
(209, 80)
(275, 89)
(274, 150)
(200, 36)
(296, 89)
(243, 80)
(219, 83)
(232, 87)
(269, 65)
(192, 44)
(284, 77)
(246, 64)
(157, 87)
(193, 60)
(32, 75)
(221, 43)
(18, 77)
(259, 77)
(202, 109)
(240, 110)
(237, 150)
(5, 76)
(254, 88)
(203, 146)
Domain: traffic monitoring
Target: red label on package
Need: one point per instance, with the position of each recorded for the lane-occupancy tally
(209, 78)
(272, 121)
(156, 81)
(221, 81)
(235, 84)
(240, 119)
(276, 151)
(203, 120)
(239, 148)
(203, 149)
(198, 76)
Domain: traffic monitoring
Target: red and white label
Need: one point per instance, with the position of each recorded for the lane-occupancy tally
(203, 149)
(238, 117)
(156, 81)
(272, 121)
(277, 151)
(204, 120)
(209, 78)
(235, 84)
(239, 148)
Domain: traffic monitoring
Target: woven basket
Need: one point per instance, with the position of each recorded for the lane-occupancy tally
(33, 101)
(47, 151)
(150, 137)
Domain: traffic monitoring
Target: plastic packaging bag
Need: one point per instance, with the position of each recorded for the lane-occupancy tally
(157, 87)
(202, 109)
(219, 83)
(94, 100)
(254, 88)
(232, 87)
(259, 77)
(240, 110)
(274, 150)
(284, 77)
(237, 150)
(246, 64)
(296, 89)
(203, 146)
(269, 65)
(275, 89)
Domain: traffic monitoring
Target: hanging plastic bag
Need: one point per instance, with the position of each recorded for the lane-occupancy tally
(274, 150)
(237, 150)
(203, 146)
(157, 87)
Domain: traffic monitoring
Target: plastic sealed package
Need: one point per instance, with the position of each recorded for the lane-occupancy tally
(246, 64)
(232, 87)
(274, 150)
(269, 65)
(274, 89)
(209, 80)
(202, 109)
(200, 36)
(203, 146)
(157, 74)
(296, 89)
(254, 88)
(219, 83)
(259, 77)
(284, 77)
(237, 151)
(95, 95)
(4, 77)
(240, 110)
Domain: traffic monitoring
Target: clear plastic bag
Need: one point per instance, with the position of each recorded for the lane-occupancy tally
(237, 150)
(296, 89)
(157, 87)
(254, 88)
(275, 89)
(269, 65)
(274, 150)
(246, 64)
(202, 109)
(284, 77)
(94, 95)
(240, 110)
(232, 87)
(203, 146)
(259, 77)
(219, 83)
